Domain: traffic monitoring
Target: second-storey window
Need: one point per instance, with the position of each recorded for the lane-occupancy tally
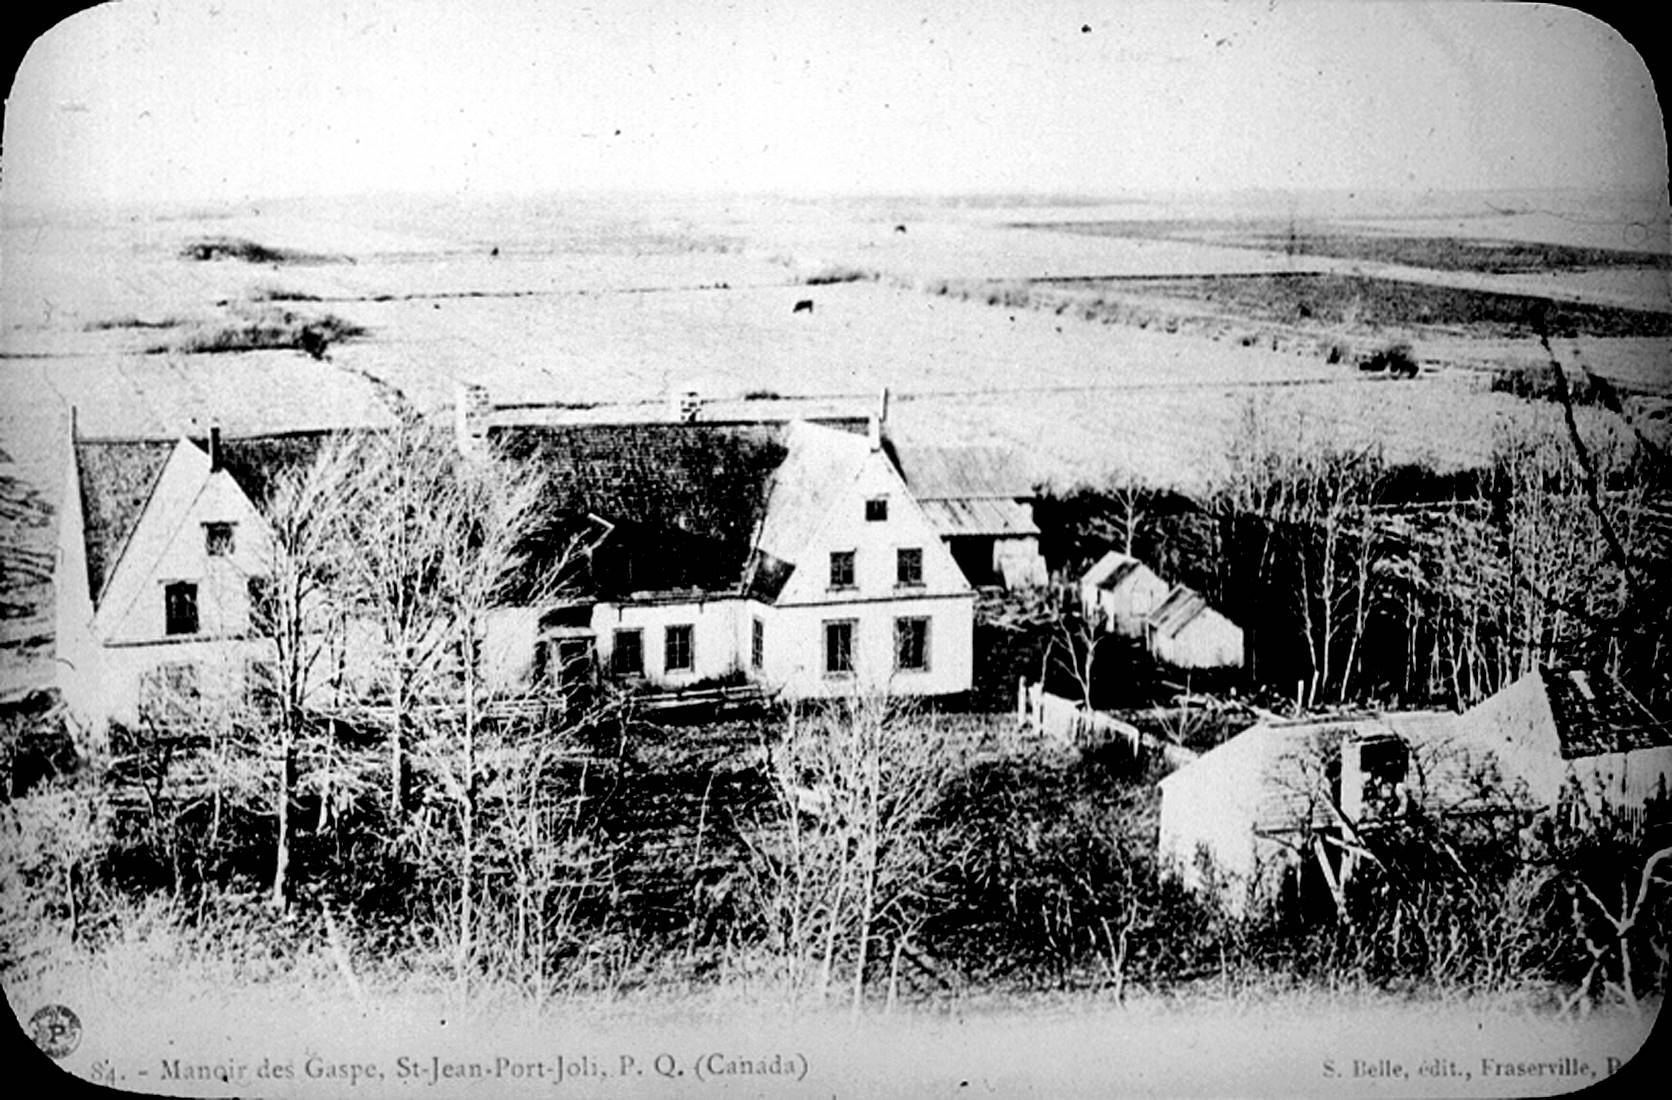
(908, 566)
(180, 608)
(676, 649)
(876, 509)
(627, 659)
(217, 540)
(841, 569)
(757, 644)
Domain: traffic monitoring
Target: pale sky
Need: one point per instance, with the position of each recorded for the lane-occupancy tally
(231, 99)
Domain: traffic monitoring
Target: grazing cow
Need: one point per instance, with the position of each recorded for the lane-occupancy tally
(803, 306)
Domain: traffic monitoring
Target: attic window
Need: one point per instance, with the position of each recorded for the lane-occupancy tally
(876, 510)
(217, 540)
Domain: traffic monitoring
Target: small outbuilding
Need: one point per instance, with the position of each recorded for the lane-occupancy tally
(1119, 592)
(1122, 595)
(1253, 817)
(1186, 633)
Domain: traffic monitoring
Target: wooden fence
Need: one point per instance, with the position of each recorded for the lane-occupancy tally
(1080, 727)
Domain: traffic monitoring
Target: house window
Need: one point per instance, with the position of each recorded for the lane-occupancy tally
(180, 608)
(838, 647)
(217, 540)
(908, 566)
(676, 649)
(876, 510)
(757, 644)
(911, 645)
(628, 656)
(260, 685)
(169, 693)
(841, 569)
(262, 609)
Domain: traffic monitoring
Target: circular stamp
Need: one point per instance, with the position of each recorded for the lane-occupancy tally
(56, 1030)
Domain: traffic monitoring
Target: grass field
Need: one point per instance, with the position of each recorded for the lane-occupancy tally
(1093, 337)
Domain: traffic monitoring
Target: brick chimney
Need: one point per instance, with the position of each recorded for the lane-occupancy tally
(470, 417)
(214, 448)
(685, 404)
(878, 420)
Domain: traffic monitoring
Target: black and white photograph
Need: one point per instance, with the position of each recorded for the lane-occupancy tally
(844, 548)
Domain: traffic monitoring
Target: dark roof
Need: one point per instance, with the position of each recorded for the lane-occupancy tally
(1118, 575)
(118, 475)
(682, 500)
(685, 497)
(256, 463)
(1595, 714)
(116, 481)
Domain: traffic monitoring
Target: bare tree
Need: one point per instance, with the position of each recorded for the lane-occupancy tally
(405, 513)
(294, 606)
(847, 865)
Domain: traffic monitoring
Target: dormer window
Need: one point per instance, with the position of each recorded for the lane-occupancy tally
(876, 510)
(217, 540)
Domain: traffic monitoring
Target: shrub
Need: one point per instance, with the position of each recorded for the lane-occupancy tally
(840, 273)
(1397, 359)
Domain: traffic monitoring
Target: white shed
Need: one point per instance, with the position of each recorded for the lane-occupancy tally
(1186, 633)
(1120, 592)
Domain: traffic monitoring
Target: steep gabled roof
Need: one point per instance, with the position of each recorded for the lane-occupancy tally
(821, 463)
(118, 476)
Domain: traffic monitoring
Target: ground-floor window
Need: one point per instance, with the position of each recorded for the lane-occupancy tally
(169, 693)
(677, 654)
(627, 659)
(261, 684)
(838, 647)
(911, 645)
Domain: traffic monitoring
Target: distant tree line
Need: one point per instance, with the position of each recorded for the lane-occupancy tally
(1361, 580)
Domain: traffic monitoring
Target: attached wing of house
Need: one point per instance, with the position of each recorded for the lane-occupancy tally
(980, 503)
